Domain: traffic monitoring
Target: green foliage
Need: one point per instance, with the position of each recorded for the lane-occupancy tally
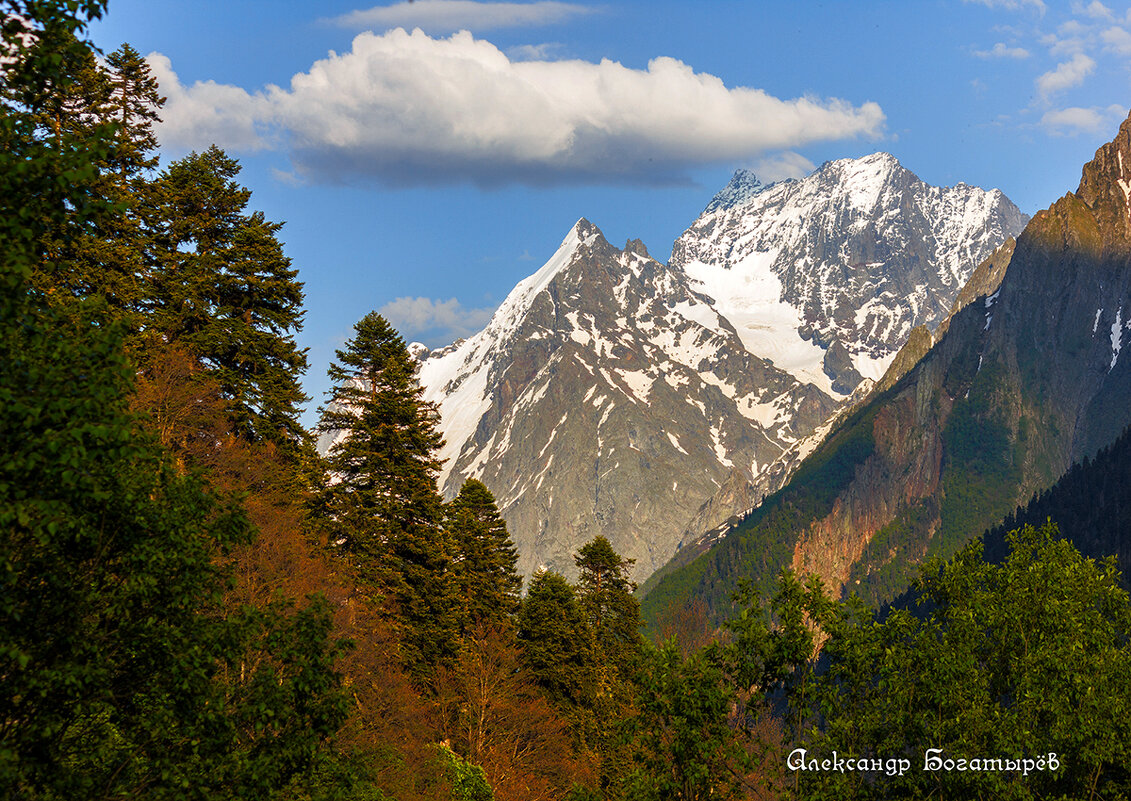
(222, 286)
(891, 559)
(612, 617)
(47, 181)
(484, 568)
(557, 645)
(980, 473)
(1011, 661)
(1091, 505)
(134, 103)
(111, 107)
(120, 666)
(123, 672)
(469, 782)
(683, 741)
(383, 512)
(611, 612)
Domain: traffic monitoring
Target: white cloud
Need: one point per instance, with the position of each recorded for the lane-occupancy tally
(1076, 120)
(1117, 40)
(1012, 5)
(1095, 9)
(780, 166)
(207, 113)
(1066, 44)
(446, 319)
(404, 108)
(1000, 50)
(448, 16)
(1066, 75)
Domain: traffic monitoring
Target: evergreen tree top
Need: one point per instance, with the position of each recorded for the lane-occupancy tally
(602, 568)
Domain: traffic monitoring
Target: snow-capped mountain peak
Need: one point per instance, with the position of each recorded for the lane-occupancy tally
(599, 376)
(827, 275)
(742, 186)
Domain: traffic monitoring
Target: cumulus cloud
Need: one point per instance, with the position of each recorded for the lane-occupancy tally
(1066, 75)
(1095, 9)
(448, 16)
(1117, 40)
(1076, 120)
(208, 113)
(1012, 5)
(781, 166)
(445, 319)
(1000, 50)
(404, 108)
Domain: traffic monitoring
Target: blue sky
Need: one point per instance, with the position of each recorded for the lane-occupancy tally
(428, 155)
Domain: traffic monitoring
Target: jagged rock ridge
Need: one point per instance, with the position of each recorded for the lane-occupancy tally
(827, 275)
(607, 397)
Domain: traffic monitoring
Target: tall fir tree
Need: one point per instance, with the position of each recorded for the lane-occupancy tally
(222, 286)
(112, 258)
(556, 642)
(612, 612)
(134, 106)
(485, 557)
(613, 617)
(114, 103)
(381, 507)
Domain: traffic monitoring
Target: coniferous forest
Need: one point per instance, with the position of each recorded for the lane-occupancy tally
(195, 604)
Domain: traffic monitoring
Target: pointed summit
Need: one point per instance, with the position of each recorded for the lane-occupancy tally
(1105, 184)
(743, 185)
(585, 230)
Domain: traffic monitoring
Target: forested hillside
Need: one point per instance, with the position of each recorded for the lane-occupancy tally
(1091, 504)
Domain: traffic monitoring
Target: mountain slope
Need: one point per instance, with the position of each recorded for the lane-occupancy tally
(829, 276)
(1091, 505)
(1024, 382)
(607, 397)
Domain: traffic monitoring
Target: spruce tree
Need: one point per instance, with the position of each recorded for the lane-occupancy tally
(381, 507)
(613, 617)
(557, 646)
(112, 103)
(222, 286)
(612, 612)
(133, 106)
(485, 556)
(111, 260)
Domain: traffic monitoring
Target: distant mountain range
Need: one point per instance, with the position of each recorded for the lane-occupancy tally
(1028, 375)
(613, 394)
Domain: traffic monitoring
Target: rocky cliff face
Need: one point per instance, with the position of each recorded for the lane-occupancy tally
(1025, 380)
(830, 276)
(606, 397)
